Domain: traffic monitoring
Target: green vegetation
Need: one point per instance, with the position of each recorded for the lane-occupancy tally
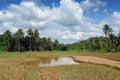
(32, 42)
(109, 43)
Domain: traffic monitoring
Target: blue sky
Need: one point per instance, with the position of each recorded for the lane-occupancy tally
(66, 20)
(112, 4)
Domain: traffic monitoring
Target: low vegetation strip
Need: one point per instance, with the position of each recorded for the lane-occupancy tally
(97, 60)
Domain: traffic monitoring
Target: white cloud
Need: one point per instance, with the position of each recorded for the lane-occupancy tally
(95, 9)
(113, 21)
(70, 15)
(105, 10)
(66, 22)
(9, 25)
(93, 5)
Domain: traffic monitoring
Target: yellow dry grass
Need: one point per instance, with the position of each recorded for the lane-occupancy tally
(14, 66)
(84, 71)
(10, 70)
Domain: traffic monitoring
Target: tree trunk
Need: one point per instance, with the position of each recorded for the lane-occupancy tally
(19, 46)
(8, 44)
(30, 44)
(35, 47)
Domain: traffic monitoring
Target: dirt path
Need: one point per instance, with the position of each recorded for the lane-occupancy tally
(97, 60)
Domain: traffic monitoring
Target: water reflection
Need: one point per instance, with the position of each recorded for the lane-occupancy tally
(57, 61)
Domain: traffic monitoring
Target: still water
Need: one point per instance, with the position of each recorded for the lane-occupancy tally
(57, 61)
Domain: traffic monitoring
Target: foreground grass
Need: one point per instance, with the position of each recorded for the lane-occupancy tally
(13, 68)
(10, 70)
(83, 71)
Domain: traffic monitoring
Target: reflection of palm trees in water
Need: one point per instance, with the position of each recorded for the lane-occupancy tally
(56, 61)
(47, 60)
(56, 58)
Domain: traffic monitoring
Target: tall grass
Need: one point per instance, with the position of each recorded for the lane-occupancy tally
(11, 67)
(12, 71)
(79, 72)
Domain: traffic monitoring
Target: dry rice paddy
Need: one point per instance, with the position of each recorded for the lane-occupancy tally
(13, 68)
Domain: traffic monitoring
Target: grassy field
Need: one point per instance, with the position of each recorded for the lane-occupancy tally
(13, 67)
(83, 71)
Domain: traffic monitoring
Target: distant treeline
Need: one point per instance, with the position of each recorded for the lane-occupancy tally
(110, 42)
(32, 42)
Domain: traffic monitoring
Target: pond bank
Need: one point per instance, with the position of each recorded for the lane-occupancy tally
(97, 60)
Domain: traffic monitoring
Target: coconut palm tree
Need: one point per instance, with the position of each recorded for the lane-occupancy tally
(44, 43)
(49, 44)
(19, 34)
(119, 41)
(56, 43)
(107, 30)
(30, 35)
(36, 36)
(8, 36)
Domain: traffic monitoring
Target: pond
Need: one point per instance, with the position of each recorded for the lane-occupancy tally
(57, 61)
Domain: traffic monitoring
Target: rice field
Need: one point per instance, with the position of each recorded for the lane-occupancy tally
(10, 70)
(84, 71)
(13, 67)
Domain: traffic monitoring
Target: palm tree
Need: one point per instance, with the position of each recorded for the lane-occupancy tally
(19, 35)
(49, 44)
(30, 35)
(36, 36)
(8, 36)
(56, 43)
(119, 41)
(119, 35)
(107, 30)
(44, 43)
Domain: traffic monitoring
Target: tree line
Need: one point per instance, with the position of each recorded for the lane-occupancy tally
(30, 42)
(110, 42)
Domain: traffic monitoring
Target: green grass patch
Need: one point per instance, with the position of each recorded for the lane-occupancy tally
(33, 73)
